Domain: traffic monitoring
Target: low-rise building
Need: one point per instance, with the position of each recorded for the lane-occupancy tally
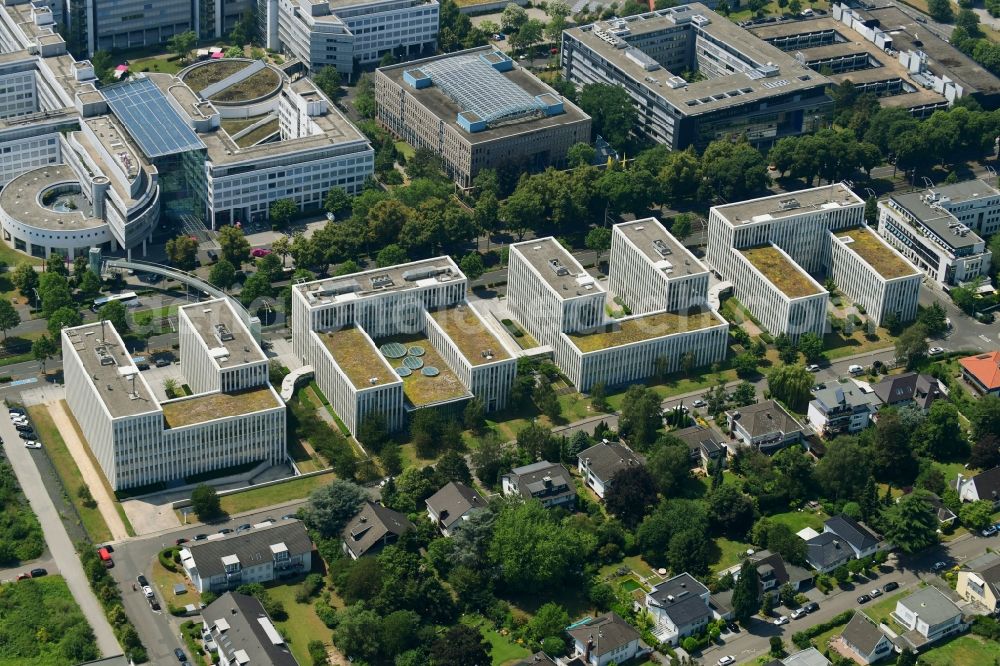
(774, 572)
(840, 409)
(825, 552)
(549, 483)
(808, 657)
(911, 388)
(982, 371)
(765, 426)
(244, 633)
(982, 486)
(451, 506)
(599, 464)
(867, 643)
(679, 607)
(928, 616)
(979, 582)
(858, 536)
(605, 639)
(706, 445)
(258, 555)
(372, 529)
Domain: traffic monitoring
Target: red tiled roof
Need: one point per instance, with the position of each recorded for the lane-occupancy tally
(985, 368)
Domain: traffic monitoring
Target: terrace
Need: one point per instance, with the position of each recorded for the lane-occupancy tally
(419, 389)
(470, 335)
(781, 271)
(884, 260)
(353, 352)
(638, 329)
(211, 406)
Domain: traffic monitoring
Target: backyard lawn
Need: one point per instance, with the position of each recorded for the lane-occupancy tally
(302, 625)
(799, 520)
(838, 346)
(880, 610)
(729, 553)
(276, 494)
(502, 650)
(965, 650)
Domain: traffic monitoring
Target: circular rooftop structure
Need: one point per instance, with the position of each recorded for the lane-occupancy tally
(233, 81)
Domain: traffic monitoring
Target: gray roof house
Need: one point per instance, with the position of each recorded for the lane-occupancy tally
(260, 554)
(679, 607)
(372, 529)
(982, 486)
(863, 637)
(911, 388)
(766, 426)
(244, 634)
(928, 616)
(599, 464)
(773, 571)
(705, 444)
(605, 639)
(808, 657)
(825, 552)
(857, 535)
(549, 483)
(451, 506)
(841, 408)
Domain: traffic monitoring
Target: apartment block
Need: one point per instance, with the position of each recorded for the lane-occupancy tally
(139, 439)
(744, 85)
(393, 340)
(872, 274)
(563, 306)
(477, 109)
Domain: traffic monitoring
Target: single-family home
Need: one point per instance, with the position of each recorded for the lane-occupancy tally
(808, 657)
(945, 515)
(599, 464)
(549, 483)
(909, 389)
(773, 572)
(766, 426)
(243, 633)
(679, 607)
(979, 581)
(827, 551)
(605, 639)
(928, 616)
(258, 555)
(982, 371)
(865, 641)
(372, 529)
(982, 486)
(840, 409)
(858, 536)
(451, 506)
(705, 444)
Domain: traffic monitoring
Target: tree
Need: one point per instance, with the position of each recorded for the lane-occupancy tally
(976, 515)
(65, 317)
(258, 285)
(669, 518)
(580, 154)
(688, 551)
(940, 10)
(681, 226)
(182, 43)
(244, 29)
(234, 245)
(474, 415)
(374, 431)
(843, 471)
(891, 456)
(670, 464)
(549, 620)
(391, 255)
(641, 416)
(337, 200)
(205, 502)
(223, 274)
(532, 550)
(332, 506)
(811, 346)
(529, 34)
(906, 658)
(911, 523)
(461, 645)
(282, 212)
(985, 453)
(732, 170)
(792, 385)
(25, 278)
(612, 112)
(933, 318)
(55, 293)
(744, 394)
(731, 511)
(472, 265)
(911, 345)
(358, 632)
(116, 313)
(545, 398)
(940, 435)
(452, 467)
(745, 593)
(745, 364)
(985, 418)
(631, 492)
(512, 18)
(599, 240)
(9, 318)
(328, 80)
(182, 251)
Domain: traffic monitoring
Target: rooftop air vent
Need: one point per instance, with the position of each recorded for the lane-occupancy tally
(661, 248)
(557, 267)
(223, 333)
(789, 204)
(381, 281)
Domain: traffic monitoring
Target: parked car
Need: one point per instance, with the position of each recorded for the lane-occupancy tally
(212, 255)
(875, 593)
(148, 591)
(989, 531)
(226, 530)
(23, 576)
(179, 653)
(699, 403)
(27, 435)
(783, 619)
(890, 586)
(142, 581)
(855, 370)
(259, 252)
(799, 612)
(934, 351)
(15, 410)
(811, 607)
(725, 661)
(39, 572)
(733, 627)
(289, 516)
(23, 427)
(154, 604)
(812, 367)
(864, 598)
(939, 565)
(32, 444)
(243, 528)
(162, 362)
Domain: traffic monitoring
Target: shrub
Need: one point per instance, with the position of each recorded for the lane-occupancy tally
(166, 559)
(309, 588)
(317, 652)
(802, 639)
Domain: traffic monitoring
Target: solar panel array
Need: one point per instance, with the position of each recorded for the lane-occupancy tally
(149, 118)
(475, 86)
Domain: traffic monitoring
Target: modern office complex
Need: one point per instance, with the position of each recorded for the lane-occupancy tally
(478, 110)
(770, 248)
(234, 416)
(347, 34)
(746, 85)
(392, 340)
(562, 305)
(927, 233)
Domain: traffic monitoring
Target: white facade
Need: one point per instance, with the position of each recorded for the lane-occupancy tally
(860, 281)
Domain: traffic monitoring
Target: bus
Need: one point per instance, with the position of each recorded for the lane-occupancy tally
(128, 298)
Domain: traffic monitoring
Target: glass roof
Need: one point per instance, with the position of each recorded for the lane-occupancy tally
(477, 87)
(147, 115)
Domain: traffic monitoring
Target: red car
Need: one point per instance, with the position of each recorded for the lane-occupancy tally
(259, 252)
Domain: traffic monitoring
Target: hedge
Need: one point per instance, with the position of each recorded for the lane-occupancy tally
(803, 639)
(166, 559)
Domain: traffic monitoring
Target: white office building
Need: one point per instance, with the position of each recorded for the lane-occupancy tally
(139, 439)
(562, 305)
(872, 274)
(392, 340)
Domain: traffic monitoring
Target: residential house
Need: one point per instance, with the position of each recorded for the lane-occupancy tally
(979, 581)
(865, 640)
(982, 486)
(773, 572)
(549, 483)
(244, 634)
(929, 616)
(909, 389)
(825, 552)
(862, 540)
(537, 659)
(599, 464)
(605, 639)
(945, 515)
(766, 426)
(451, 506)
(841, 409)
(808, 657)
(257, 555)
(679, 608)
(983, 372)
(372, 529)
(705, 444)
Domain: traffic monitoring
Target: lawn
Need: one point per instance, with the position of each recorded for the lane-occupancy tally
(163, 583)
(302, 625)
(963, 651)
(799, 520)
(729, 553)
(12, 257)
(502, 650)
(167, 64)
(146, 317)
(880, 610)
(266, 496)
(39, 620)
(69, 473)
(837, 346)
(405, 149)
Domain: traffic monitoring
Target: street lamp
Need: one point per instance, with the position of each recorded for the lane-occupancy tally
(928, 182)
(38, 299)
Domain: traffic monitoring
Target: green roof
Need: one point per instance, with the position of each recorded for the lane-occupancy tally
(638, 329)
(353, 352)
(201, 408)
(467, 331)
(419, 389)
(781, 271)
(886, 263)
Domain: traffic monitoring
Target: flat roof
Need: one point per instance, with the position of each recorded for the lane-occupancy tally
(781, 271)
(936, 219)
(211, 406)
(967, 190)
(149, 118)
(557, 267)
(467, 330)
(778, 206)
(220, 328)
(442, 106)
(21, 198)
(377, 281)
(865, 243)
(109, 364)
(420, 389)
(354, 352)
(641, 328)
(661, 247)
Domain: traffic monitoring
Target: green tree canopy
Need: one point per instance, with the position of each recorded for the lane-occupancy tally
(911, 523)
(332, 506)
(205, 502)
(612, 112)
